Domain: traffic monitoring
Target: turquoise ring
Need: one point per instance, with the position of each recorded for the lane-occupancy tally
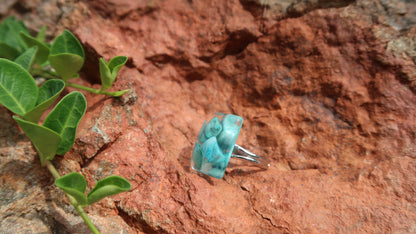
(216, 145)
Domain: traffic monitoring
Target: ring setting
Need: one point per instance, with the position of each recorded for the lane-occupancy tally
(216, 144)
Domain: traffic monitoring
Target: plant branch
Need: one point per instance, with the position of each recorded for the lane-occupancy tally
(83, 215)
(97, 91)
(52, 170)
(52, 75)
(45, 73)
(72, 200)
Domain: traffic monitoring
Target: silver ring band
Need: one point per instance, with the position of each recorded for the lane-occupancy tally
(241, 153)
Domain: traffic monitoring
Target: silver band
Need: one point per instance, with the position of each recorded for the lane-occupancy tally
(241, 153)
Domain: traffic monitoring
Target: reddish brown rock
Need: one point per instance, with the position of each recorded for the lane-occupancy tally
(327, 93)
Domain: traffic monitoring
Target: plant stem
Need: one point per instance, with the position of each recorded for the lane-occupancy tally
(45, 73)
(96, 91)
(85, 217)
(52, 75)
(72, 200)
(52, 170)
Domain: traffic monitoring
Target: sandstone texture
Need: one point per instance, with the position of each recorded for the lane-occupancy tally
(327, 90)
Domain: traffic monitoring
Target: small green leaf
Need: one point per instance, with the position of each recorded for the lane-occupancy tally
(48, 93)
(75, 185)
(18, 90)
(9, 34)
(42, 34)
(65, 117)
(118, 93)
(111, 185)
(45, 140)
(43, 50)
(116, 63)
(66, 55)
(27, 59)
(108, 72)
(105, 75)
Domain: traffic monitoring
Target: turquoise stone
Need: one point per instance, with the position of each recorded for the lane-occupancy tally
(228, 136)
(210, 129)
(201, 136)
(215, 145)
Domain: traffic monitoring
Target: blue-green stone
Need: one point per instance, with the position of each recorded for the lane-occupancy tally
(201, 135)
(213, 127)
(216, 141)
(197, 158)
(210, 129)
(228, 136)
(211, 151)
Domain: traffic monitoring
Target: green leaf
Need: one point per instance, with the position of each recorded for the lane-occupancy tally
(66, 65)
(50, 89)
(7, 51)
(9, 34)
(48, 93)
(111, 185)
(18, 90)
(67, 43)
(116, 64)
(108, 72)
(43, 50)
(65, 117)
(105, 75)
(118, 93)
(45, 140)
(66, 55)
(42, 34)
(27, 59)
(75, 185)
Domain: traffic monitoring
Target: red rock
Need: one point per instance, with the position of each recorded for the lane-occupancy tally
(328, 96)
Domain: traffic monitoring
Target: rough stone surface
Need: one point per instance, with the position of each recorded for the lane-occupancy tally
(326, 89)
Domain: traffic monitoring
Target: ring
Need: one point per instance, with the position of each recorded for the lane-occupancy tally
(216, 145)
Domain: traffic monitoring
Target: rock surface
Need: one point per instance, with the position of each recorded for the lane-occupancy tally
(327, 93)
